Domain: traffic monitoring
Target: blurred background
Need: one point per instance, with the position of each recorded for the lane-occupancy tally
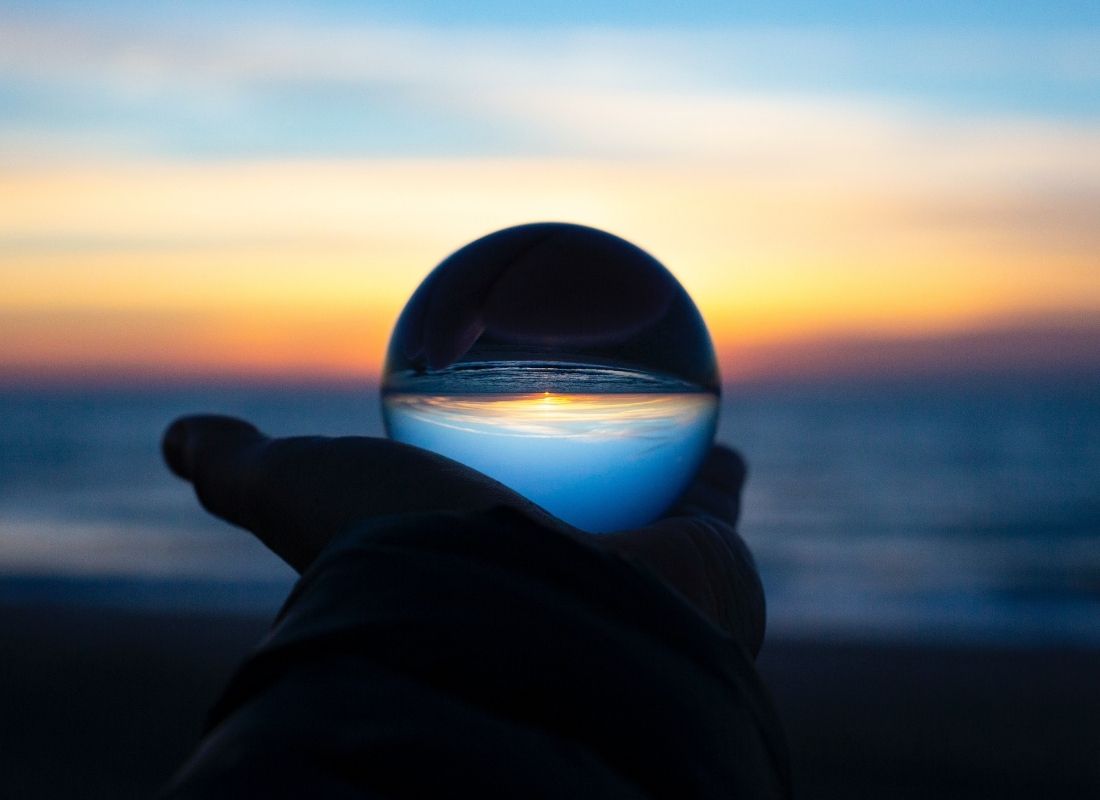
(889, 217)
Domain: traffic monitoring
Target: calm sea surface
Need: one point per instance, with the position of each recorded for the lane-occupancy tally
(935, 511)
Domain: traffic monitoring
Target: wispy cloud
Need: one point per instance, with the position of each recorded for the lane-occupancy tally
(217, 53)
(206, 85)
(257, 90)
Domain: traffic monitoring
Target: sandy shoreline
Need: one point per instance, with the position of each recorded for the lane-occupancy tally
(97, 703)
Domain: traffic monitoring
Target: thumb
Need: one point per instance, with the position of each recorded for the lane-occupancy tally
(226, 459)
(296, 494)
(214, 453)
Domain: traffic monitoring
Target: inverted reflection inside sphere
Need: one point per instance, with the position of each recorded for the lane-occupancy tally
(564, 362)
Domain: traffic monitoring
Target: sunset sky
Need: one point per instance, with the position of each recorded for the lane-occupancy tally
(196, 190)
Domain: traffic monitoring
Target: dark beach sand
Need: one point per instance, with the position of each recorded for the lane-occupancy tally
(104, 704)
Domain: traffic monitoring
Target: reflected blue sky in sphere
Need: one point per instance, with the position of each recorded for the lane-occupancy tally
(601, 462)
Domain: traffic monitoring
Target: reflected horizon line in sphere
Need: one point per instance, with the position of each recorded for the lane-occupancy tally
(601, 461)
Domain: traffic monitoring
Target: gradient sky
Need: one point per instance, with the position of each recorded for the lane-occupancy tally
(195, 189)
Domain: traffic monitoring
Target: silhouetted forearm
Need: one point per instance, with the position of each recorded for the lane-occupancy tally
(435, 655)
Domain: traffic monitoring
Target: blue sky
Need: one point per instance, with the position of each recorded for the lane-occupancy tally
(839, 12)
(206, 80)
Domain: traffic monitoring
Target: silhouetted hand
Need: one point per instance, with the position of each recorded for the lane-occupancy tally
(296, 494)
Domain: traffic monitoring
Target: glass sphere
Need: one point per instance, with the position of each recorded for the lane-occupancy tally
(564, 362)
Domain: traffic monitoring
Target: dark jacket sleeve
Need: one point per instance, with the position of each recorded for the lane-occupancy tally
(482, 655)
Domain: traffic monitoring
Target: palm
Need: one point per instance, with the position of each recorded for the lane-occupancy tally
(296, 494)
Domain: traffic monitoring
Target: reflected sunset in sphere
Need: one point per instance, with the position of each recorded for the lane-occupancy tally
(565, 363)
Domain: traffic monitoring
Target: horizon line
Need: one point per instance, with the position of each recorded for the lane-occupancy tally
(1033, 348)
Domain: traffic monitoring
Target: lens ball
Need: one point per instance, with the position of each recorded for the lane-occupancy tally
(564, 362)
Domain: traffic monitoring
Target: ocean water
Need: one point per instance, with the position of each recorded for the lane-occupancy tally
(933, 511)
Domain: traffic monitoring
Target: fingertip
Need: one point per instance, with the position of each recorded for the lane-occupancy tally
(188, 437)
(173, 445)
(724, 468)
(716, 489)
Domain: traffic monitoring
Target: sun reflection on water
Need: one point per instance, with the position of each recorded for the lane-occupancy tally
(559, 415)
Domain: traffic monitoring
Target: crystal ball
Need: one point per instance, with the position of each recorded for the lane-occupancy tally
(564, 362)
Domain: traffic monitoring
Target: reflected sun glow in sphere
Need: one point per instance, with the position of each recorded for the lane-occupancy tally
(565, 363)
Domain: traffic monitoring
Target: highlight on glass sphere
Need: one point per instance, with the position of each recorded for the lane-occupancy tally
(564, 362)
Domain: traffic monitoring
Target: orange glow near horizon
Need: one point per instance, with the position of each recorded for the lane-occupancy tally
(554, 415)
(300, 268)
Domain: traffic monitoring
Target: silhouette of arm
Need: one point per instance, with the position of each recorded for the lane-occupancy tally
(448, 638)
